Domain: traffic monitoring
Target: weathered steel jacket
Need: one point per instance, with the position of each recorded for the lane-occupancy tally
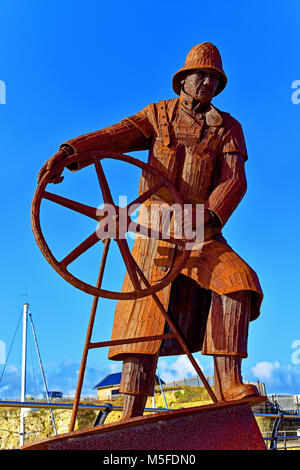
(208, 178)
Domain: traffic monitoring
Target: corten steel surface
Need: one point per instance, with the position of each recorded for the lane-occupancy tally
(88, 345)
(135, 273)
(176, 333)
(133, 269)
(225, 426)
(201, 56)
(197, 154)
(211, 172)
(62, 266)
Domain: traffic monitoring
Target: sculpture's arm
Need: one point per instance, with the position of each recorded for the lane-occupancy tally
(230, 188)
(129, 135)
(123, 137)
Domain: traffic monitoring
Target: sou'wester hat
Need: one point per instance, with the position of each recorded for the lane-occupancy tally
(202, 56)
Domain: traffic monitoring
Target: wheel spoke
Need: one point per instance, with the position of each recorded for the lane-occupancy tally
(103, 262)
(143, 197)
(129, 262)
(73, 205)
(80, 249)
(142, 275)
(103, 184)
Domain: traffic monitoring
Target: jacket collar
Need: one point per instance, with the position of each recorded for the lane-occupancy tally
(212, 116)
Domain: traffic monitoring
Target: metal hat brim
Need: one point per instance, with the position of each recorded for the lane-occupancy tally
(178, 76)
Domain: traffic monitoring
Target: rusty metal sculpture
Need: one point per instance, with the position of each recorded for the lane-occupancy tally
(182, 301)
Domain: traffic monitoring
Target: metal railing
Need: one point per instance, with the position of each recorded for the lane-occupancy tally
(285, 438)
(285, 402)
(275, 433)
(68, 406)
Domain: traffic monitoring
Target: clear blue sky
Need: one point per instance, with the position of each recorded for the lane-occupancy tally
(73, 67)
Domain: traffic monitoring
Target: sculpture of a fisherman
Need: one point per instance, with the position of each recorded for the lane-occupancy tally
(217, 293)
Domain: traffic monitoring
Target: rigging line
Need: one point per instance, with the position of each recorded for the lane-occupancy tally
(42, 371)
(32, 366)
(8, 430)
(4, 367)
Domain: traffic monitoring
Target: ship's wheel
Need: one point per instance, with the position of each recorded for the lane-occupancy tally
(140, 284)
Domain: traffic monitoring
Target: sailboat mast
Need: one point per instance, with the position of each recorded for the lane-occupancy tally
(23, 375)
(42, 370)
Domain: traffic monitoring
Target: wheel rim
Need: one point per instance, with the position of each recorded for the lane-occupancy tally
(134, 272)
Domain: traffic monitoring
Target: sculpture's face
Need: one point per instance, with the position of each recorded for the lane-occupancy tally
(201, 84)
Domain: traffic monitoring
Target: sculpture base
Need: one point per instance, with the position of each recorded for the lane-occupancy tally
(223, 426)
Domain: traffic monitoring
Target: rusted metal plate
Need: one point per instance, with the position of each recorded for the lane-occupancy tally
(225, 426)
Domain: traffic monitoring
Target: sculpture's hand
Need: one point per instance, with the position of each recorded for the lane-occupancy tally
(210, 222)
(52, 162)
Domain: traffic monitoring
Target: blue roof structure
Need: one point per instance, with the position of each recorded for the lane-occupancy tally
(110, 380)
(114, 379)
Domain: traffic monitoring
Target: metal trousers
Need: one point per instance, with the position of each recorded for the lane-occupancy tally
(226, 335)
